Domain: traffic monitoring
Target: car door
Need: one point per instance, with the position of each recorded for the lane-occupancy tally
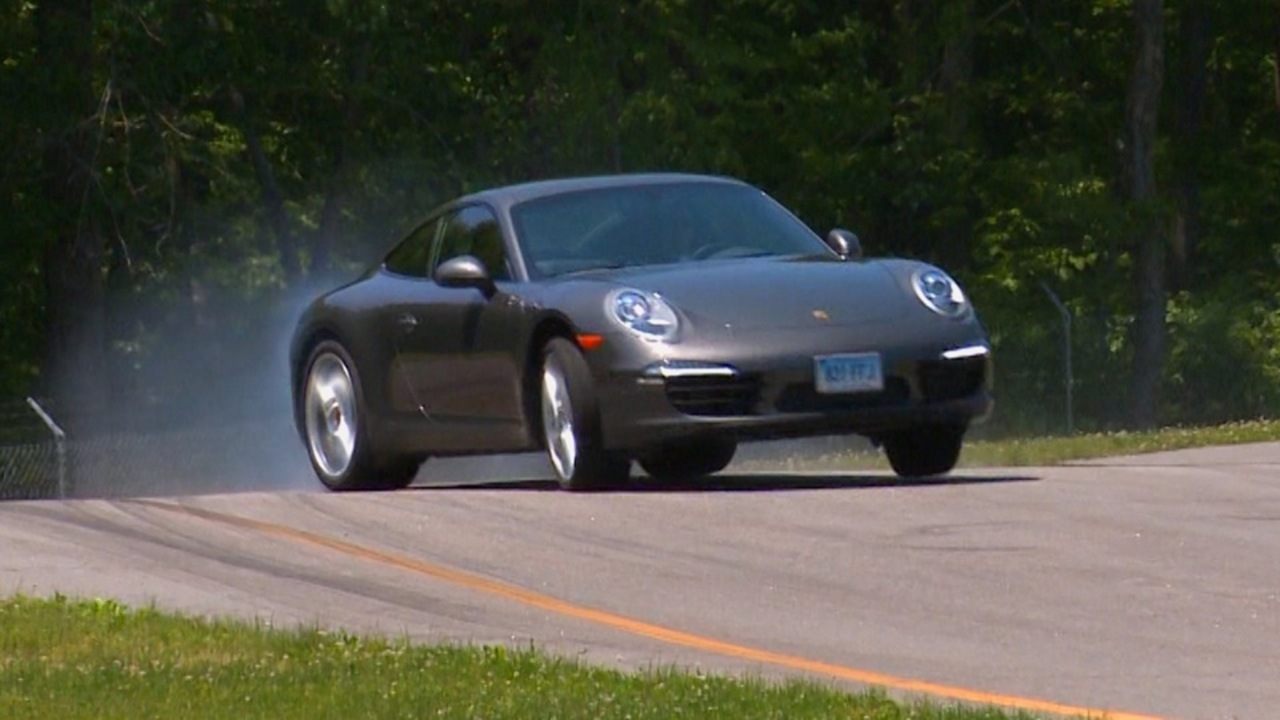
(408, 288)
(457, 348)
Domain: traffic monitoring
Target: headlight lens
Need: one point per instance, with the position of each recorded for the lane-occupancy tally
(645, 314)
(940, 293)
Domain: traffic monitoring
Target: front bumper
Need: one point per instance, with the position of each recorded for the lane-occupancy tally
(752, 394)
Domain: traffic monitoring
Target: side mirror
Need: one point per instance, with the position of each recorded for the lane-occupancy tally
(465, 271)
(845, 243)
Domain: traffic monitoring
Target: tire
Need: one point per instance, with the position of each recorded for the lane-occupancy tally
(397, 475)
(924, 451)
(688, 459)
(571, 429)
(333, 426)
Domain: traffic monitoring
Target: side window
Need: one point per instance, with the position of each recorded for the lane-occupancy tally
(473, 230)
(412, 257)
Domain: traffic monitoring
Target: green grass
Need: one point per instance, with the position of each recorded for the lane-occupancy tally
(97, 659)
(1059, 449)
(1052, 450)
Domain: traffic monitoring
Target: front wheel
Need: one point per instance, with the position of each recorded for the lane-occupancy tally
(689, 459)
(924, 451)
(571, 422)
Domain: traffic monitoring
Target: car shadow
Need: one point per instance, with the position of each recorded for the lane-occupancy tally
(743, 482)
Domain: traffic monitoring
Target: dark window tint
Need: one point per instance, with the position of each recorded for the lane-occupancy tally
(412, 257)
(474, 231)
(650, 224)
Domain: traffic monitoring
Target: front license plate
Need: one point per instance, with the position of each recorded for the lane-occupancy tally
(852, 373)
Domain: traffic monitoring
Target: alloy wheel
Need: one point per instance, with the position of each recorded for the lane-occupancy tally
(330, 413)
(557, 422)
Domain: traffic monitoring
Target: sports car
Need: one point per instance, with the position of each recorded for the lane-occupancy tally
(659, 319)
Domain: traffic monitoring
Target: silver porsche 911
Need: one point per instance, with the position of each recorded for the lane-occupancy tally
(655, 318)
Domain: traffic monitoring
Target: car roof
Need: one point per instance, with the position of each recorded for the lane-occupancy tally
(509, 195)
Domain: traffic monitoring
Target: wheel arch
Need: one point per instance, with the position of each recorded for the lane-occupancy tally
(546, 328)
(303, 348)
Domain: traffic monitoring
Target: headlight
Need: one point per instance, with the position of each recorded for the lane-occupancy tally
(645, 314)
(940, 293)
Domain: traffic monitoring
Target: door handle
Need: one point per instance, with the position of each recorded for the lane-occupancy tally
(407, 322)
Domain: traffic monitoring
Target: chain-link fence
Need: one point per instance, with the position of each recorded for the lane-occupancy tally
(28, 454)
(240, 455)
(28, 471)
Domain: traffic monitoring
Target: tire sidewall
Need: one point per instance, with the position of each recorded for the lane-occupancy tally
(925, 451)
(593, 467)
(688, 459)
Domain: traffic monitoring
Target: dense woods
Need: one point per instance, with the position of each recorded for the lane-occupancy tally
(177, 171)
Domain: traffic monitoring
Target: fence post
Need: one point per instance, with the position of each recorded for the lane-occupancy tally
(59, 442)
(1067, 379)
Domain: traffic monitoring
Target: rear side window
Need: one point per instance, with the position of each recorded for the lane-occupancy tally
(412, 257)
(473, 230)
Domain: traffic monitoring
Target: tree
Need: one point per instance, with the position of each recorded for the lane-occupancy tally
(1142, 110)
(174, 167)
(75, 311)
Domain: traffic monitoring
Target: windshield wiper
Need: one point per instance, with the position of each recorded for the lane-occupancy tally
(593, 268)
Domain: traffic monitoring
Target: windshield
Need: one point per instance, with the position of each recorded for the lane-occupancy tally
(655, 224)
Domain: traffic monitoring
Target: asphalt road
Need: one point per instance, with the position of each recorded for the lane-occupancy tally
(1143, 586)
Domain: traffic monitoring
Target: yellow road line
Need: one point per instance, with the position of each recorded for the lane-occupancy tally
(638, 627)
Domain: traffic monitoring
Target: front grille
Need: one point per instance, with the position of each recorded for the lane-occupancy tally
(952, 379)
(803, 397)
(715, 396)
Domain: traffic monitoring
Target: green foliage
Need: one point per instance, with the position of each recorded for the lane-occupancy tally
(1223, 358)
(244, 150)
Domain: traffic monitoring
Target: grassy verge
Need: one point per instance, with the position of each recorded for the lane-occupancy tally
(97, 659)
(1053, 450)
(1040, 451)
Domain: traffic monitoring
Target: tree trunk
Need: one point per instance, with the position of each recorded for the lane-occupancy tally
(272, 199)
(1275, 67)
(1142, 111)
(1189, 119)
(72, 263)
(339, 177)
(955, 76)
(956, 71)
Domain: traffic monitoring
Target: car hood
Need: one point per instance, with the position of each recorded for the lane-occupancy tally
(770, 293)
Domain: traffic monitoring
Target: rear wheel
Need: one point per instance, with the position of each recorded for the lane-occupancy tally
(333, 416)
(924, 451)
(571, 422)
(688, 459)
